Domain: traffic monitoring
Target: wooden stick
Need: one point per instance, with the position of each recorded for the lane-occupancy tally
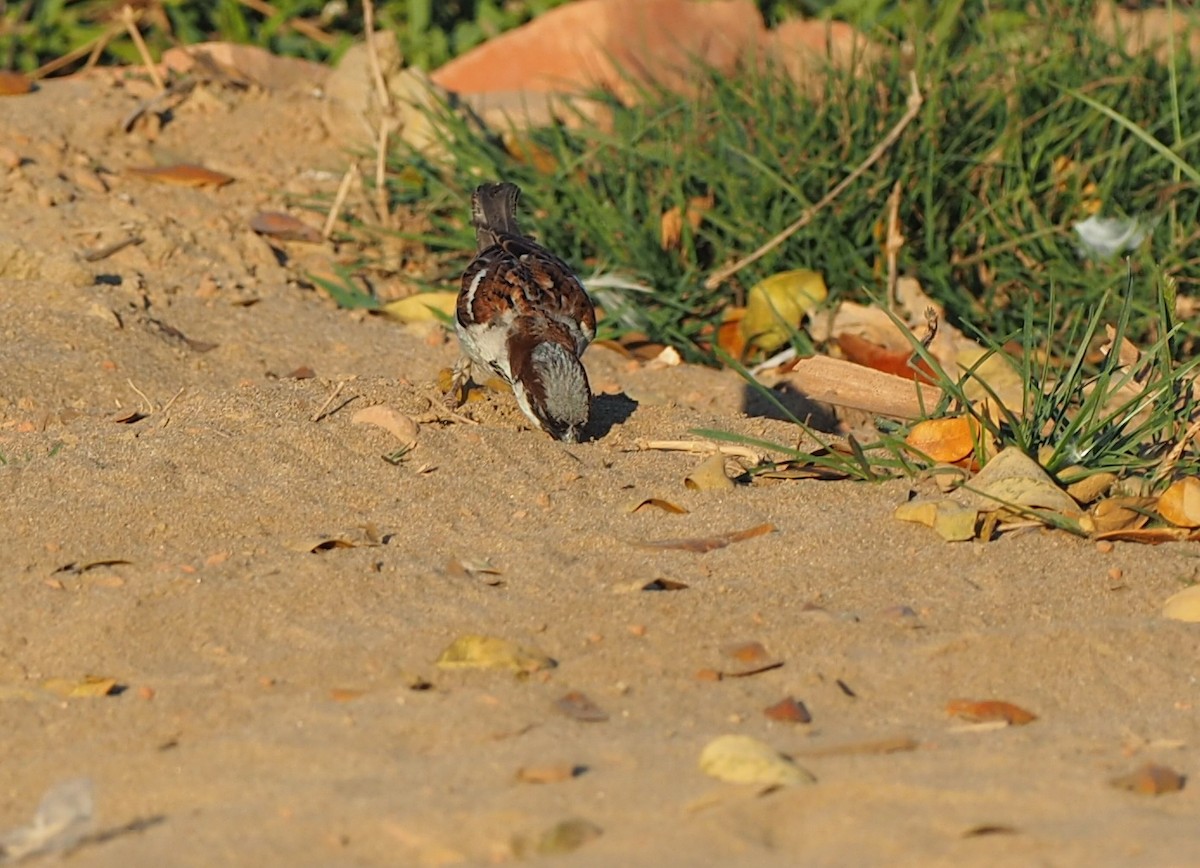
(845, 384)
(915, 99)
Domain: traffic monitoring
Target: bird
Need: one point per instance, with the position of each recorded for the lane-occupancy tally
(523, 315)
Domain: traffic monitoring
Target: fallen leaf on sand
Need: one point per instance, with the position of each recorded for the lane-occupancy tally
(80, 567)
(658, 503)
(14, 83)
(896, 744)
(951, 439)
(665, 585)
(1117, 514)
(578, 706)
(1180, 504)
(1150, 780)
(182, 175)
(285, 227)
(776, 306)
(952, 521)
(489, 652)
(701, 545)
(1149, 535)
(562, 837)
(1013, 478)
(549, 773)
(746, 652)
(788, 710)
(402, 427)
(345, 694)
(709, 475)
(422, 307)
(476, 569)
(73, 688)
(1183, 606)
(990, 710)
(323, 543)
(740, 759)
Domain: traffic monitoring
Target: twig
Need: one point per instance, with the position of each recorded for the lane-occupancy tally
(385, 98)
(316, 34)
(109, 250)
(174, 398)
(316, 417)
(94, 47)
(338, 200)
(385, 213)
(915, 99)
(701, 447)
(142, 395)
(129, 19)
(892, 245)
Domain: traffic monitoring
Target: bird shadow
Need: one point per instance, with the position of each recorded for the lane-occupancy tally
(609, 411)
(817, 416)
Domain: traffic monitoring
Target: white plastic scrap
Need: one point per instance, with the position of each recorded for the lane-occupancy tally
(1102, 237)
(63, 817)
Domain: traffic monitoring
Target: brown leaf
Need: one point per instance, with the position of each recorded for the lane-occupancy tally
(1150, 780)
(345, 694)
(659, 503)
(549, 773)
(899, 363)
(664, 585)
(79, 567)
(14, 83)
(989, 710)
(700, 545)
(578, 706)
(1148, 535)
(182, 175)
(746, 652)
(788, 710)
(285, 227)
(400, 426)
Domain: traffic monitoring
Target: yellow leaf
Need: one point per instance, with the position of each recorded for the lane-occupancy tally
(422, 306)
(1012, 478)
(89, 685)
(1184, 606)
(1180, 504)
(488, 652)
(952, 521)
(740, 759)
(776, 306)
(709, 475)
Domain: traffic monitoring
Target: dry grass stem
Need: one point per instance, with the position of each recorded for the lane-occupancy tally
(129, 18)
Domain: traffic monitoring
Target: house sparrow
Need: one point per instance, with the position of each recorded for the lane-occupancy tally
(523, 314)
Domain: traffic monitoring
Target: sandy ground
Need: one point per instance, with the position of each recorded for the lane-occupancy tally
(282, 706)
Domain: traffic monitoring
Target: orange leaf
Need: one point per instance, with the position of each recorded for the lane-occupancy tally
(729, 332)
(951, 439)
(183, 175)
(1150, 780)
(1180, 504)
(285, 227)
(898, 362)
(14, 83)
(991, 709)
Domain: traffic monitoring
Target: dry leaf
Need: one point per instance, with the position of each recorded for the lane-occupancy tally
(664, 585)
(788, 710)
(578, 706)
(563, 837)
(488, 652)
(899, 363)
(80, 567)
(1150, 780)
(322, 543)
(1150, 535)
(183, 175)
(423, 307)
(285, 227)
(746, 652)
(89, 685)
(1013, 478)
(740, 759)
(1091, 487)
(1180, 504)
(729, 332)
(775, 307)
(709, 475)
(949, 440)
(952, 521)
(402, 427)
(700, 545)
(664, 505)
(990, 710)
(671, 224)
(345, 694)
(1116, 513)
(895, 744)
(14, 83)
(1183, 606)
(549, 773)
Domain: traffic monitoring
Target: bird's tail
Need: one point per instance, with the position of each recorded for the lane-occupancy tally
(494, 210)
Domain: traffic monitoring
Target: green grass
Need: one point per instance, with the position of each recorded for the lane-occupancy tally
(1025, 129)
